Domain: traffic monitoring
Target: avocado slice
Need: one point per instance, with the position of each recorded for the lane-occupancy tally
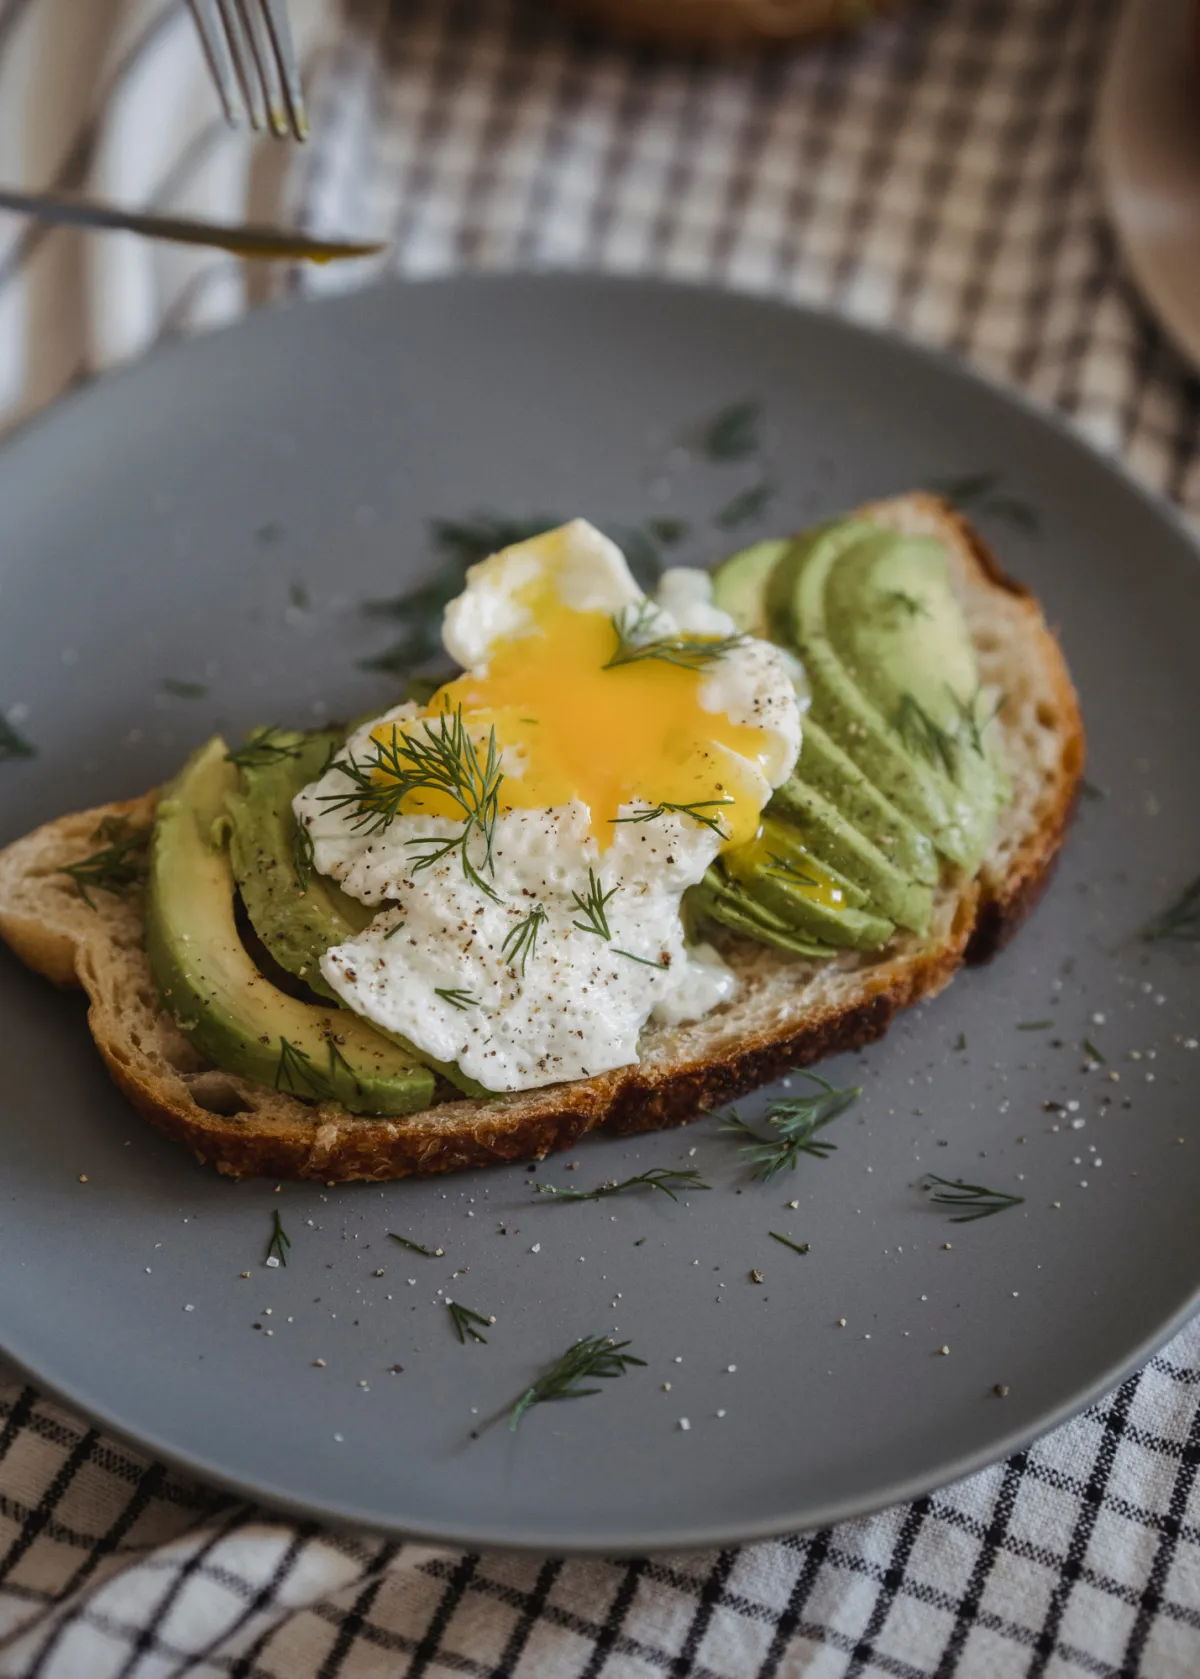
(837, 842)
(717, 898)
(218, 997)
(785, 877)
(865, 666)
(740, 586)
(296, 912)
(828, 770)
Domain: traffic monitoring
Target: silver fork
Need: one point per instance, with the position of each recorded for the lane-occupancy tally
(248, 45)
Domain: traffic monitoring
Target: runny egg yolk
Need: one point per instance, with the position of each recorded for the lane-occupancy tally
(567, 728)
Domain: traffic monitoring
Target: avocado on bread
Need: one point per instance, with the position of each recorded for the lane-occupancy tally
(857, 850)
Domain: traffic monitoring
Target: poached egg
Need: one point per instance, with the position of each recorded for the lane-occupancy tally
(610, 747)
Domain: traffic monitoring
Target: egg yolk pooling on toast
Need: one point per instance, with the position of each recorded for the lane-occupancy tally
(570, 724)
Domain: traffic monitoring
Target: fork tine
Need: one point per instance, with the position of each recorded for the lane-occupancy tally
(243, 58)
(216, 50)
(275, 12)
(268, 70)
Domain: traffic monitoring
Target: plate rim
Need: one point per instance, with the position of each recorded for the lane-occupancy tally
(667, 1539)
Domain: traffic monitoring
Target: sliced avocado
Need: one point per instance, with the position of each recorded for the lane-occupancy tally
(785, 878)
(837, 842)
(824, 766)
(740, 585)
(865, 642)
(296, 912)
(719, 899)
(221, 1001)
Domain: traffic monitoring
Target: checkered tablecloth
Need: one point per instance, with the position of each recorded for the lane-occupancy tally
(932, 173)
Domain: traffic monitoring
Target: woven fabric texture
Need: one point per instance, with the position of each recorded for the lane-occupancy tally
(932, 173)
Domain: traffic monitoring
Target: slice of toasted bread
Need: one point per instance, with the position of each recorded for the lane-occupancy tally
(787, 1013)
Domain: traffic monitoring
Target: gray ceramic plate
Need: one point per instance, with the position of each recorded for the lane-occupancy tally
(1148, 146)
(165, 524)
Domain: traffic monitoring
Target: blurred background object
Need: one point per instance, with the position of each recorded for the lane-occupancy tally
(728, 23)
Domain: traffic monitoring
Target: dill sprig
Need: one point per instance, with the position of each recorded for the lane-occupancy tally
(415, 1247)
(336, 1060)
(296, 1075)
(663, 963)
(784, 869)
(456, 999)
(280, 1240)
(464, 1321)
(1090, 1049)
(594, 907)
(745, 506)
(303, 859)
(795, 1122)
(695, 811)
(972, 724)
(117, 866)
(970, 1200)
(439, 757)
(665, 1178)
(12, 743)
(732, 434)
(183, 690)
(262, 748)
(520, 942)
(1181, 920)
(900, 601)
(636, 644)
(796, 1247)
(926, 737)
(592, 1357)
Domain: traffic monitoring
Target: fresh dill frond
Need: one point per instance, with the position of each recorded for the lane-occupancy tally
(636, 644)
(970, 1201)
(784, 869)
(594, 907)
(296, 1075)
(926, 737)
(520, 942)
(438, 757)
(663, 964)
(456, 999)
(12, 743)
(747, 505)
(665, 1178)
(795, 1121)
(733, 434)
(1181, 920)
(262, 748)
(415, 1247)
(183, 690)
(303, 859)
(591, 1358)
(117, 866)
(695, 811)
(280, 1240)
(464, 1321)
(336, 1060)
(796, 1247)
(973, 726)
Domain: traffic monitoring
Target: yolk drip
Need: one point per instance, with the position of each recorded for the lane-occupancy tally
(773, 851)
(567, 728)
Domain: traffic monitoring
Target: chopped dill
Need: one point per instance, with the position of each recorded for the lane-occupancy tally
(520, 942)
(302, 855)
(464, 1321)
(1181, 920)
(262, 748)
(12, 743)
(900, 601)
(695, 811)
(665, 1178)
(336, 1060)
(593, 907)
(784, 869)
(636, 642)
(183, 690)
(1033, 1025)
(970, 1201)
(592, 1357)
(796, 1247)
(296, 1075)
(795, 1122)
(926, 737)
(280, 1240)
(745, 506)
(415, 1247)
(1090, 1049)
(117, 866)
(663, 964)
(456, 999)
(733, 434)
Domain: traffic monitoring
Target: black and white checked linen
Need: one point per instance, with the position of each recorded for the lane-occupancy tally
(932, 174)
